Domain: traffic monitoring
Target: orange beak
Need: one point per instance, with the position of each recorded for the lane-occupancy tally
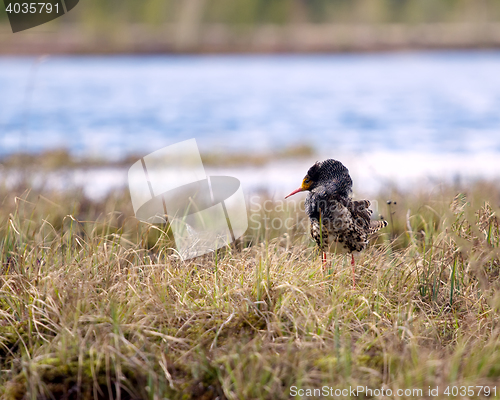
(300, 189)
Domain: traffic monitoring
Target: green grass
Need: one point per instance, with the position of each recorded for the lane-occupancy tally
(94, 304)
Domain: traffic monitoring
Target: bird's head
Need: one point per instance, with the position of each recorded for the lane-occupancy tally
(330, 174)
(310, 181)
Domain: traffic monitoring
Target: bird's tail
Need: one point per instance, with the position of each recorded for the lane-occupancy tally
(377, 225)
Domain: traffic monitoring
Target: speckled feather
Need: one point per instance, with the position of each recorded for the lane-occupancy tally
(346, 223)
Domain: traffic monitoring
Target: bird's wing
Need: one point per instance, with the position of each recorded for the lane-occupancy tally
(362, 215)
(377, 225)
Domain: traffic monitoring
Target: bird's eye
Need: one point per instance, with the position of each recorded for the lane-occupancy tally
(306, 180)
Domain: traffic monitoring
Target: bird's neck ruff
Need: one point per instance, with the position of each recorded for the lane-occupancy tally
(333, 191)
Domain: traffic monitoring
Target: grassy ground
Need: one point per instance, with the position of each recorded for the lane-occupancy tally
(94, 304)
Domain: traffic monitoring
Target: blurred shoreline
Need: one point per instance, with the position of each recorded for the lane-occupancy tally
(223, 38)
(372, 173)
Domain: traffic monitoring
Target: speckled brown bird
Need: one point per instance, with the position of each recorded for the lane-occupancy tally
(338, 223)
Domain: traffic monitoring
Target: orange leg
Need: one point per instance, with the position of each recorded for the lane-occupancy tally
(353, 276)
(324, 261)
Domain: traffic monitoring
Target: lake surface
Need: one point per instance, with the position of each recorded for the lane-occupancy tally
(111, 106)
(439, 110)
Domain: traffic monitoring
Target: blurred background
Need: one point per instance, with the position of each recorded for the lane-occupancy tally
(116, 26)
(403, 92)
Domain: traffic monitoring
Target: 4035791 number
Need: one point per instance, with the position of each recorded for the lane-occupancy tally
(470, 391)
(32, 8)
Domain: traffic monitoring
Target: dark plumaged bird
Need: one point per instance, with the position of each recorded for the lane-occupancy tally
(338, 223)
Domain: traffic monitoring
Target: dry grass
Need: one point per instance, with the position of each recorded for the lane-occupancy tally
(94, 304)
(61, 159)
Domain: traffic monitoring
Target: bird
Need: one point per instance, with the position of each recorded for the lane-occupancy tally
(338, 223)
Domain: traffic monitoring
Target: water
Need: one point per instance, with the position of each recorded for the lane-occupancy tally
(395, 115)
(112, 106)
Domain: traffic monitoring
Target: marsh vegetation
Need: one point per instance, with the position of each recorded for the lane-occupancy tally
(94, 304)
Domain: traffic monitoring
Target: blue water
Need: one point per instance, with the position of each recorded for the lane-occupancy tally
(114, 106)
